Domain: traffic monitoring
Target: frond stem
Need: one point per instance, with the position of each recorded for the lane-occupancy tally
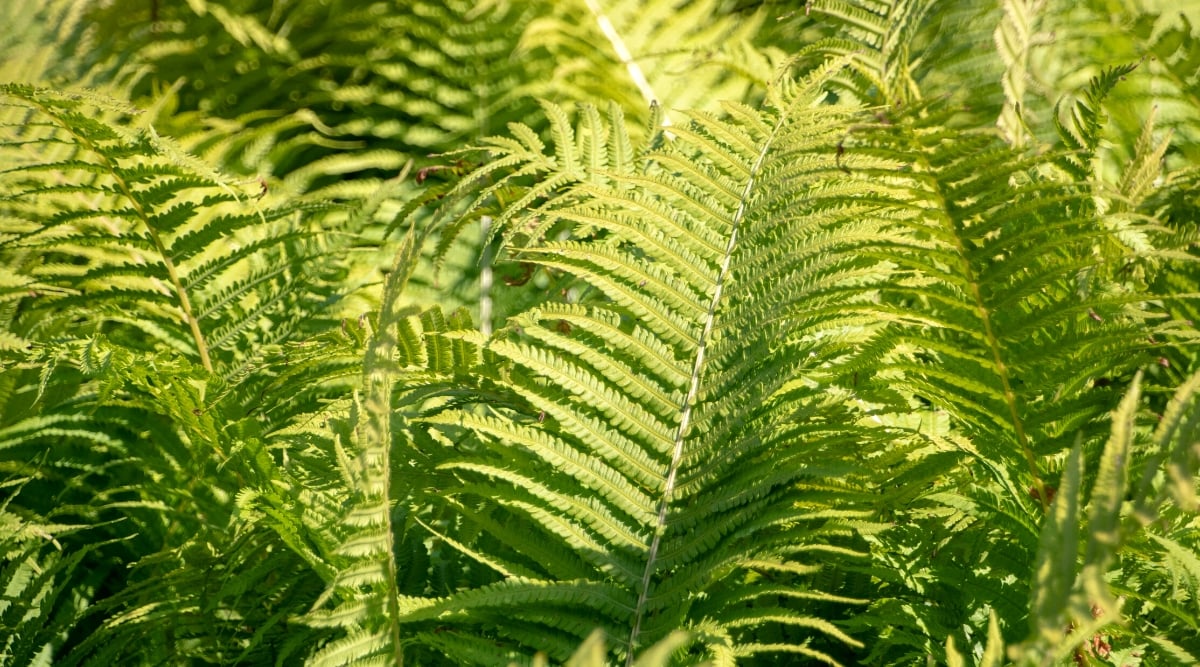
(377, 364)
(185, 304)
(1010, 397)
(626, 57)
(689, 401)
(379, 377)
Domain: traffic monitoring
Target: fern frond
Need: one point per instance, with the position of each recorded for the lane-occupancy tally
(1085, 119)
(1029, 306)
(371, 100)
(801, 363)
(404, 358)
(646, 459)
(149, 231)
(36, 608)
(880, 41)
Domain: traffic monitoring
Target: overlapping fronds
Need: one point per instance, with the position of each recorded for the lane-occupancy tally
(1026, 59)
(1173, 44)
(374, 84)
(35, 607)
(1014, 264)
(864, 359)
(885, 42)
(147, 303)
(1030, 284)
(1015, 38)
(1164, 44)
(45, 40)
(366, 594)
(1076, 610)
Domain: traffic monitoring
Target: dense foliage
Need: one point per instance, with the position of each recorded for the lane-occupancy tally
(599, 331)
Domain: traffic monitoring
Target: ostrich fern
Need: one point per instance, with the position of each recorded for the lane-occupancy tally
(837, 332)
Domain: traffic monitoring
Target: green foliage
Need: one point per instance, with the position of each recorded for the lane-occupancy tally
(598, 332)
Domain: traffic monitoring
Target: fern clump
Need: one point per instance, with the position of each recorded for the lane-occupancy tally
(598, 332)
(125, 258)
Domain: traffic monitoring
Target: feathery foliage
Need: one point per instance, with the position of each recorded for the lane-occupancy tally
(598, 332)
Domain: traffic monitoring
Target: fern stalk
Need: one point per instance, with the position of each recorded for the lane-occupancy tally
(377, 366)
(689, 400)
(996, 350)
(379, 380)
(626, 58)
(1010, 397)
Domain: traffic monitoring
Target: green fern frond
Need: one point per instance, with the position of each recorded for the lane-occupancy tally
(131, 259)
(640, 460)
(880, 41)
(1057, 556)
(1076, 604)
(993, 653)
(48, 41)
(376, 97)
(35, 604)
(824, 363)
(1175, 47)
(1015, 36)
(1049, 321)
(1027, 305)
(1085, 120)
(405, 357)
(149, 230)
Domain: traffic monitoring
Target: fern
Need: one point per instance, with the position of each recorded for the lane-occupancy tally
(642, 54)
(47, 40)
(837, 332)
(657, 506)
(366, 581)
(34, 568)
(150, 196)
(370, 102)
(1015, 37)
(1027, 327)
(1075, 606)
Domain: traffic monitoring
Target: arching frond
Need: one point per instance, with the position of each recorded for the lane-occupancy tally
(145, 235)
(1037, 305)
(656, 448)
(126, 259)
